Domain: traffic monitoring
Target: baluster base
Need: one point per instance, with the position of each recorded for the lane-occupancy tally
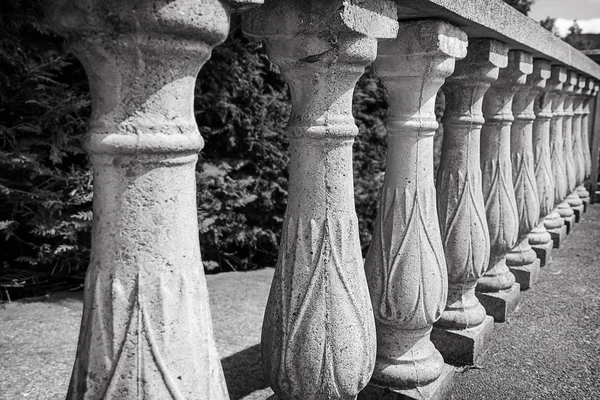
(584, 195)
(436, 390)
(558, 235)
(544, 251)
(527, 275)
(524, 264)
(501, 304)
(555, 226)
(463, 346)
(576, 205)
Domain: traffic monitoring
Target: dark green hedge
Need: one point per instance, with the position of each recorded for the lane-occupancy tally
(241, 106)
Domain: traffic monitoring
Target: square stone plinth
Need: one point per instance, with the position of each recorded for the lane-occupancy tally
(569, 223)
(558, 235)
(578, 210)
(500, 304)
(586, 203)
(436, 390)
(527, 275)
(544, 252)
(463, 346)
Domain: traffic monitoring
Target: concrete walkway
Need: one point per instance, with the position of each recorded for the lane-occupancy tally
(549, 349)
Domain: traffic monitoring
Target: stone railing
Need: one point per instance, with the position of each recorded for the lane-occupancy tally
(444, 261)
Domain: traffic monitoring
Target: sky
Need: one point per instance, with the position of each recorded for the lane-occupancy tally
(586, 12)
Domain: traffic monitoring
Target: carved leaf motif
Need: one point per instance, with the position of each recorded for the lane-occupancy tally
(405, 266)
(525, 191)
(319, 332)
(130, 350)
(462, 216)
(544, 180)
(500, 206)
(559, 172)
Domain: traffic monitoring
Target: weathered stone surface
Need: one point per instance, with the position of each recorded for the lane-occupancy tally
(502, 303)
(587, 92)
(542, 243)
(568, 91)
(555, 225)
(555, 83)
(527, 275)
(498, 191)
(405, 265)
(437, 390)
(146, 330)
(567, 214)
(578, 157)
(461, 209)
(463, 346)
(318, 337)
(541, 138)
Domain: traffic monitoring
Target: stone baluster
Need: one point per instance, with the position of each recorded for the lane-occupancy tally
(585, 126)
(522, 260)
(551, 221)
(318, 336)
(497, 289)
(572, 199)
(146, 330)
(405, 265)
(462, 332)
(556, 82)
(578, 153)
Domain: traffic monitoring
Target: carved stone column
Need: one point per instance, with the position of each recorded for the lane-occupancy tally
(405, 265)
(557, 156)
(522, 260)
(572, 198)
(549, 222)
(497, 289)
(585, 125)
(146, 330)
(318, 336)
(462, 332)
(578, 129)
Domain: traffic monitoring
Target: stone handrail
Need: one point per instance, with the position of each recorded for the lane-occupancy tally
(510, 186)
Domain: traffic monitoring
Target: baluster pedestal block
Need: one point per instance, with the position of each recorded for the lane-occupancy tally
(568, 215)
(318, 335)
(463, 331)
(556, 227)
(405, 265)
(542, 243)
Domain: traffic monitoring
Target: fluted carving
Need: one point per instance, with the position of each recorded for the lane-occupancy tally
(556, 82)
(461, 209)
(146, 330)
(318, 337)
(498, 191)
(405, 264)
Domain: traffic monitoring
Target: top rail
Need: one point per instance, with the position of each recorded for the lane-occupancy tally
(495, 19)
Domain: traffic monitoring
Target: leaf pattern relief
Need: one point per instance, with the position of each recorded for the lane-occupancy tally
(131, 345)
(405, 265)
(319, 332)
(525, 188)
(559, 172)
(462, 215)
(544, 181)
(500, 205)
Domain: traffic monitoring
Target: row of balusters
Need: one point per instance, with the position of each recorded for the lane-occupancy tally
(515, 148)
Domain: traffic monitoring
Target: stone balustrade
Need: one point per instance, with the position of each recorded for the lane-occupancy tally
(511, 184)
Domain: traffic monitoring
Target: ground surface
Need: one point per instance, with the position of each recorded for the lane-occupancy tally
(549, 349)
